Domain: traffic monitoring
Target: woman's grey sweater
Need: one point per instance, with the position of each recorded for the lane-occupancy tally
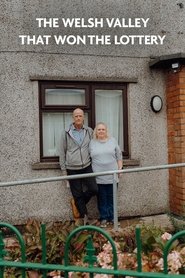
(104, 155)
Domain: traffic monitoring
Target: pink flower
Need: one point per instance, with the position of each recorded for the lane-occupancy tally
(101, 276)
(166, 236)
(160, 264)
(174, 262)
(182, 252)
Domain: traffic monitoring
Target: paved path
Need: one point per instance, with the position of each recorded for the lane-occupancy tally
(161, 220)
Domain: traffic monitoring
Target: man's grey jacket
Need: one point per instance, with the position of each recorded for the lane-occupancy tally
(71, 154)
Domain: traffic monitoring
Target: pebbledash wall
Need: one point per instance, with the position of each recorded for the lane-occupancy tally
(151, 134)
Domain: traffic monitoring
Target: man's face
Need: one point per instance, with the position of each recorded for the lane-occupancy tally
(78, 117)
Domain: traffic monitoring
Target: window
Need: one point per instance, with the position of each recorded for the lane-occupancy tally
(105, 102)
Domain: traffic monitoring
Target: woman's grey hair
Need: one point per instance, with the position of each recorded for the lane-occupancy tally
(95, 130)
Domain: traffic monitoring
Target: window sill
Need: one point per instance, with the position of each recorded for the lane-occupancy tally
(55, 165)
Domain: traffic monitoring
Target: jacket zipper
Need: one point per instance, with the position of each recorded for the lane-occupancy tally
(79, 147)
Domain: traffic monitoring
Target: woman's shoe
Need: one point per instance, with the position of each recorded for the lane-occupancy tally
(111, 223)
(103, 224)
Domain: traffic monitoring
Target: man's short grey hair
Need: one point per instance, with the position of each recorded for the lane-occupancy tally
(77, 109)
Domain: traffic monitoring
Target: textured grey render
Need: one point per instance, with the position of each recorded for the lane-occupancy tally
(139, 194)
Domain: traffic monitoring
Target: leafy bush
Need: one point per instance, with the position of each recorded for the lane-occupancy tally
(153, 242)
(178, 223)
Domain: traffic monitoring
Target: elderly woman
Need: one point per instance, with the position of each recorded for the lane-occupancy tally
(106, 155)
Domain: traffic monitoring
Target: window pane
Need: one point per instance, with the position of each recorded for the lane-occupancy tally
(65, 96)
(53, 125)
(109, 109)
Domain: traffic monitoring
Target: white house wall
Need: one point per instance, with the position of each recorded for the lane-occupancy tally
(139, 194)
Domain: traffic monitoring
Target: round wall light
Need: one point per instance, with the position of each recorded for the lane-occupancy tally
(156, 103)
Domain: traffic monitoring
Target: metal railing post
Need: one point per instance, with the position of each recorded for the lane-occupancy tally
(44, 249)
(115, 201)
(2, 254)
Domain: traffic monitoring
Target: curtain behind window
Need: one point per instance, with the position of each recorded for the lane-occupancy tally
(53, 125)
(109, 109)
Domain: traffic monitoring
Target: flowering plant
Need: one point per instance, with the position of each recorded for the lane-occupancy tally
(153, 238)
(151, 261)
(153, 241)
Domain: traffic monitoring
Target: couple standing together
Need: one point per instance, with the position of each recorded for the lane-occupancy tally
(84, 151)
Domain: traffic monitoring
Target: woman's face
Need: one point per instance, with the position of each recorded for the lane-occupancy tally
(101, 132)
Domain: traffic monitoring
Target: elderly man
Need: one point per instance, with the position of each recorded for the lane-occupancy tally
(75, 159)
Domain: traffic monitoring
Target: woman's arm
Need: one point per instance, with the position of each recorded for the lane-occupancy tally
(120, 164)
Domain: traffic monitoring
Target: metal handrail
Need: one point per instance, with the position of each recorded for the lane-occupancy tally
(113, 172)
(52, 179)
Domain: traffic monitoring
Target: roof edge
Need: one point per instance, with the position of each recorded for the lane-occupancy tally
(165, 61)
